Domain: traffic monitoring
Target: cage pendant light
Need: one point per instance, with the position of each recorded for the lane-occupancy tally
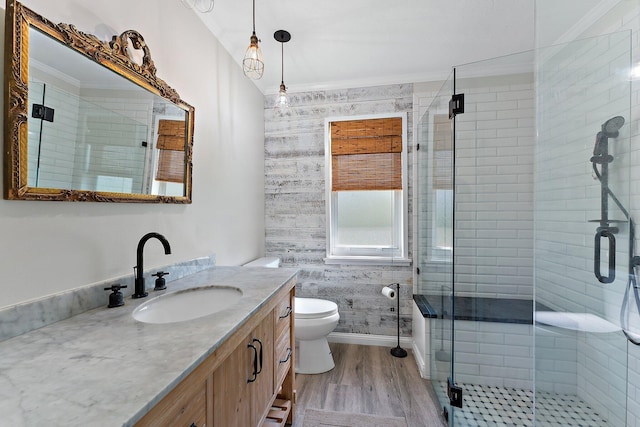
(253, 63)
(282, 100)
(203, 6)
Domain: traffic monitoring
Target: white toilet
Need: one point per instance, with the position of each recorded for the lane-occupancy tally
(314, 319)
(269, 262)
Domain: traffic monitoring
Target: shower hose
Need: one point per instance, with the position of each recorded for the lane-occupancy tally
(632, 283)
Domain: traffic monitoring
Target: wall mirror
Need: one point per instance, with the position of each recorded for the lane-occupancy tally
(88, 120)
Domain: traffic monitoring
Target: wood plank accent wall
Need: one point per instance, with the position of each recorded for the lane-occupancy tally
(295, 218)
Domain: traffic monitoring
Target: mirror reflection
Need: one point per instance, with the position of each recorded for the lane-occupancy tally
(89, 120)
(90, 129)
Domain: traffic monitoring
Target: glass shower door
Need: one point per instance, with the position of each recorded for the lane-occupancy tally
(435, 235)
(493, 241)
(583, 231)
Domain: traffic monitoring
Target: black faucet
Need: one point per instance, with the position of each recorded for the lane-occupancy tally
(139, 282)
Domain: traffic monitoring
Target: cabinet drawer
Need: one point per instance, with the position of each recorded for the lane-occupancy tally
(193, 412)
(284, 355)
(185, 406)
(283, 315)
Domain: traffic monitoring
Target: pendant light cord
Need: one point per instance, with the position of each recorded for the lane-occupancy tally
(282, 63)
(254, 16)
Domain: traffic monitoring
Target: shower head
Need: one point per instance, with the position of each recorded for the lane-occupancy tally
(611, 127)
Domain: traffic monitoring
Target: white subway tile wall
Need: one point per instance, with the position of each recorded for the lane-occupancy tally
(494, 187)
(52, 144)
(568, 197)
(487, 353)
(115, 131)
(494, 191)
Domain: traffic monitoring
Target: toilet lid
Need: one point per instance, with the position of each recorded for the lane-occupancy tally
(311, 308)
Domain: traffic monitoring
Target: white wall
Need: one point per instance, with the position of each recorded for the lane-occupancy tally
(49, 247)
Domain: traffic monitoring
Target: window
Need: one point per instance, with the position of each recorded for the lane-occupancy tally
(171, 141)
(366, 189)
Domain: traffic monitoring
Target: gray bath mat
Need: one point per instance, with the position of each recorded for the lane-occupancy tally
(320, 418)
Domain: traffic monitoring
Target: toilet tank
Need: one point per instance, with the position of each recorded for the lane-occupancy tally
(269, 262)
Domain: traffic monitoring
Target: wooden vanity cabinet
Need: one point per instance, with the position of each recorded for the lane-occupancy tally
(231, 387)
(284, 343)
(243, 384)
(186, 406)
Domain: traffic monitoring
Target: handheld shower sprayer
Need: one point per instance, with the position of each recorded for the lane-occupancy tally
(610, 129)
(601, 156)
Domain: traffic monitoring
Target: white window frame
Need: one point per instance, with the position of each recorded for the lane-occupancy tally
(367, 254)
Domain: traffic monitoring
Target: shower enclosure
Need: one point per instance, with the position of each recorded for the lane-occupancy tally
(525, 245)
(83, 145)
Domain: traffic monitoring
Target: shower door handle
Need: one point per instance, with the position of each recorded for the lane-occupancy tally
(612, 256)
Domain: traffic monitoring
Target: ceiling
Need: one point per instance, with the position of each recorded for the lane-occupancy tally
(356, 43)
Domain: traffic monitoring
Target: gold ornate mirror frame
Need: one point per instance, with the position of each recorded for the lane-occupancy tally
(113, 55)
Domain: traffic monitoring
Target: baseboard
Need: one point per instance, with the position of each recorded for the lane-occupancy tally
(422, 367)
(368, 339)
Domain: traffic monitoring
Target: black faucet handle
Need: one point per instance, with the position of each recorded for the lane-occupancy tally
(160, 274)
(160, 282)
(115, 288)
(116, 299)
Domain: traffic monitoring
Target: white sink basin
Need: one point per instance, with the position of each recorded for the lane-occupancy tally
(187, 304)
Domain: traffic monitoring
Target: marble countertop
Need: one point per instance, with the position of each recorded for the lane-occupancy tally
(103, 368)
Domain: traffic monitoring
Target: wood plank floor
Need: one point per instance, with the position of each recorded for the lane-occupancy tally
(368, 380)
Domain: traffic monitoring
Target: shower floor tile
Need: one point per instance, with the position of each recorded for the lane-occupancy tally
(506, 407)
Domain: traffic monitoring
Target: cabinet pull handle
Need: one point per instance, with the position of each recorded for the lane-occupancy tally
(286, 313)
(259, 342)
(255, 363)
(288, 355)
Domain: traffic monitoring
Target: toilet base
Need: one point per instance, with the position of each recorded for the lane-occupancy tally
(313, 357)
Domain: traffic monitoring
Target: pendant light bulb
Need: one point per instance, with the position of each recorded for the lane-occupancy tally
(253, 62)
(282, 100)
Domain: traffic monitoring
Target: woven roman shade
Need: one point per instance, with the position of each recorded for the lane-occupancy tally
(366, 154)
(442, 178)
(171, 143)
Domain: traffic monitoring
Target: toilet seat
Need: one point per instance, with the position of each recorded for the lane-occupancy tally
(313, 308)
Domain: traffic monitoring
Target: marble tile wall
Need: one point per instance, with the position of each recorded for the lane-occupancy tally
(295, 206)
(21, 318)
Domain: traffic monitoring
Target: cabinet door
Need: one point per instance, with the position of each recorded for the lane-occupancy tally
(262, 389)
(185, 406)
(240, 395)
(231, 399)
